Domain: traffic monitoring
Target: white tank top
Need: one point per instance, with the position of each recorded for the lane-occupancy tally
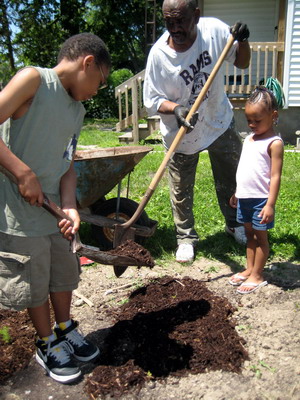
(254, 169)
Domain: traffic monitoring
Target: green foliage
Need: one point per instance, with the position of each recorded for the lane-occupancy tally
(104, 104)
(4, 335)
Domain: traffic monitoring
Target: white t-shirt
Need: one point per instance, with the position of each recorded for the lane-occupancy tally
(179, 77)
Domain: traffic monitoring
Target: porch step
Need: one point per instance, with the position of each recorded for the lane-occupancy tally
(126, 137)
(144, 130)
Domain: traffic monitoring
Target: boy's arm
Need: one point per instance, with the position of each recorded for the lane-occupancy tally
(15, 100)
(276, 153)
(68, 203)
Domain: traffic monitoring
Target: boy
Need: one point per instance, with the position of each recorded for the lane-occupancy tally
(42, 115)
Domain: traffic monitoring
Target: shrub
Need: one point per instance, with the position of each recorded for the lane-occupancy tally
(104, 104)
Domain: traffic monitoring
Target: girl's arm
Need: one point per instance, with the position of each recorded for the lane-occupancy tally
(68, 203)
(276, 154)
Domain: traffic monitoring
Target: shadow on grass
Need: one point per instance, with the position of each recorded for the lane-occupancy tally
(288, 240)
(218, 246)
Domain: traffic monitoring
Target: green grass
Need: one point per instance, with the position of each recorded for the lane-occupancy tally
(209, 222)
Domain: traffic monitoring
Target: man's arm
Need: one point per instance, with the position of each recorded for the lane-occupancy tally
(241, 33)
(243, 54)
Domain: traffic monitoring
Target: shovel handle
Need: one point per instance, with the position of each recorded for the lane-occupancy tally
(182, 131)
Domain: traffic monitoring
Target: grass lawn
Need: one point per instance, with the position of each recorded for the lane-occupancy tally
(209, 222)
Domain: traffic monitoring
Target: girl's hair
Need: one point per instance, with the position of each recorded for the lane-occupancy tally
(263, 95)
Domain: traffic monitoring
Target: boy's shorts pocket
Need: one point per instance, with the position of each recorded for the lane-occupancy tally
(14, 281)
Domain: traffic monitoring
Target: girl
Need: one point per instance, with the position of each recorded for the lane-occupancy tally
(258, 181)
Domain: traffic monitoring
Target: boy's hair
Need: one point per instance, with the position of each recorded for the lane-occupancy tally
(85, 44)
(264, 95)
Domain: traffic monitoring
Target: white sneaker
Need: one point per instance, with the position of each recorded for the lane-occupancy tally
(185, 253)
(237, 233)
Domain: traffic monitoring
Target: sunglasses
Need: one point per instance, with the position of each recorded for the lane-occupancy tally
(103, 85)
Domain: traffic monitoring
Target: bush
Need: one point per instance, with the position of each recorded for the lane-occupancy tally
(104, 104)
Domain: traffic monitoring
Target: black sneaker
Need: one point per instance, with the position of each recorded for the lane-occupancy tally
(55, 357)
(82, 349)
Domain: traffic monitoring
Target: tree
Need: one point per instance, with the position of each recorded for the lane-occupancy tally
(6, 46)
(121, 24)
(54, 21)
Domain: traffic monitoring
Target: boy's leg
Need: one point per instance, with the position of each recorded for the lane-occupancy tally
(65, 268)
(27, 262)
(40, 318)
(61, 302)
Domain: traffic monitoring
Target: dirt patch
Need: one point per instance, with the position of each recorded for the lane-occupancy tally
(169, 327)
(16, 342)
(178, 332)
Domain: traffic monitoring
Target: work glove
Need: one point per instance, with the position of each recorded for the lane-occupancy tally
(180, 113)
(240, 31)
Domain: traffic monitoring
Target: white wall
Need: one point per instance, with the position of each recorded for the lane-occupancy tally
(261, 16)
(291, 81)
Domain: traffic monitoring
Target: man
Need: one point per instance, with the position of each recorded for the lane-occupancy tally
(178, 66)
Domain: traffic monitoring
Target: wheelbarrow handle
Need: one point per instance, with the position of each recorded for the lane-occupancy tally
(182, 131)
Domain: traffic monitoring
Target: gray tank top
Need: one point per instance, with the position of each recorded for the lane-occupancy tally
(45, 139)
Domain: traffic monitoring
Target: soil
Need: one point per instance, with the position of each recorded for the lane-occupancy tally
(171, 332)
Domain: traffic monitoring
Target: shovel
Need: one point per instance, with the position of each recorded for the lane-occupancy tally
(93, 253)
(125, 231)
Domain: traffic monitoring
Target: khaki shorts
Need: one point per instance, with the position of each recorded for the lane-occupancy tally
(32, 267)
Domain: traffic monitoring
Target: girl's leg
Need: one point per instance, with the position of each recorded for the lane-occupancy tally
(260, 258)
(250, 254)
(250, 249)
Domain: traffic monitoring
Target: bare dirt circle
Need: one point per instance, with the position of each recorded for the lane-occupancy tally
(176, 332)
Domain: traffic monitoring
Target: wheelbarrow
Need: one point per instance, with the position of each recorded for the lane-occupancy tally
(99, 170)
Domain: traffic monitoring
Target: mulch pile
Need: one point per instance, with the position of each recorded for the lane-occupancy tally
(168, 328)
(134, 250)
(16, 342)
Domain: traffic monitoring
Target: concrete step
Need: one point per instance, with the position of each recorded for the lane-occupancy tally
(144, 130)
(126, 137)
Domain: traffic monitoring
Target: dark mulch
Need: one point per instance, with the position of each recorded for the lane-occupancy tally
(134, 250)
(168, 328)
(16, 342)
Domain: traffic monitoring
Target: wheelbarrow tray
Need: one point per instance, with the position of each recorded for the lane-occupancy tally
(100, 170)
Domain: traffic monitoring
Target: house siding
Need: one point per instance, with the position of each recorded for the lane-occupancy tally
(291, 82)
(260, 16)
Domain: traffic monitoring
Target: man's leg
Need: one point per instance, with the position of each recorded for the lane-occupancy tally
(224, 156)
(182, 170)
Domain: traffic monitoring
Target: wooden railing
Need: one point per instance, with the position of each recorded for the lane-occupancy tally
(266, 61)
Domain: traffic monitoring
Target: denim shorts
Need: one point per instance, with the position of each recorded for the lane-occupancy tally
(248, 211)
